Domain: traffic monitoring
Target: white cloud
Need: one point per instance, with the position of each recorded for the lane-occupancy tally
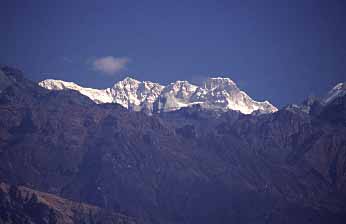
(110, 65)
(67, 60)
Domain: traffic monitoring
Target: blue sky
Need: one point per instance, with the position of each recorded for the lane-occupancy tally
(278, 50)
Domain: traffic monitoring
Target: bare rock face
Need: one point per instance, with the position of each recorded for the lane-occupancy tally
(220, 94)
(191, 165)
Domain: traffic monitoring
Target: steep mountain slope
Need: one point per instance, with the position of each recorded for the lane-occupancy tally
(191, 165)
(215, 94)
(24, 205)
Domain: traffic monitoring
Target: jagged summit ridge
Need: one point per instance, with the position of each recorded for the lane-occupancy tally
(215, 94)
(338, 91)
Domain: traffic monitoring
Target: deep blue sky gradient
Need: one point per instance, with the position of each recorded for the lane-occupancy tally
(278, 50)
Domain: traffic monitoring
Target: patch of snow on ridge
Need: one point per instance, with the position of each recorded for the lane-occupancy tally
(97, 95)
(338, 91)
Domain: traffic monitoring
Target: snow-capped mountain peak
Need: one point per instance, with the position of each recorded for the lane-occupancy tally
(215, 94)
(219, 82)
(136, 95)
(223, 94)
(127, 83)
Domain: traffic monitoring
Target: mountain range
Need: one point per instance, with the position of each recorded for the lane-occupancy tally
(215, 94)
(188, 165)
